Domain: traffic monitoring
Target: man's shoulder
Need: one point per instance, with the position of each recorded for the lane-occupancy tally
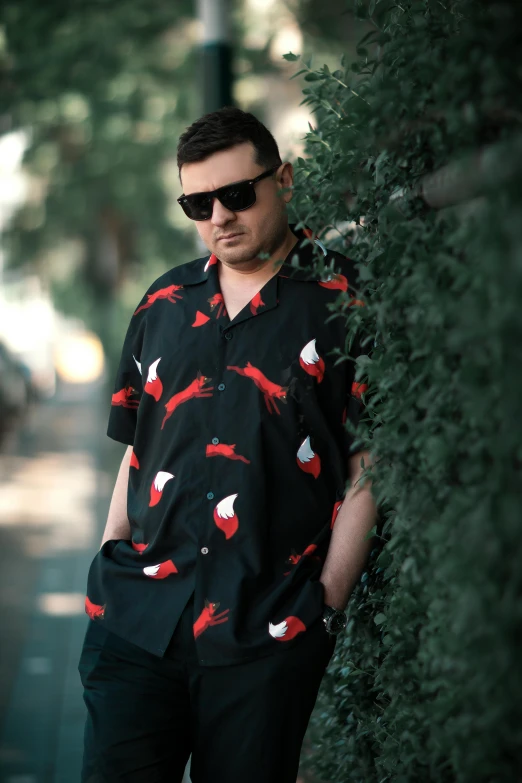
(189, 273)
(171, 283)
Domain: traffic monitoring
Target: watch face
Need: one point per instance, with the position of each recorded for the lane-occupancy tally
(337, 622)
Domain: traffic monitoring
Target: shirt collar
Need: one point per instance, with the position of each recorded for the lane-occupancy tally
(303, 261)
(298, 265)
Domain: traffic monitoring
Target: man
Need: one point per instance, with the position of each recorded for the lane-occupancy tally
(220, 586)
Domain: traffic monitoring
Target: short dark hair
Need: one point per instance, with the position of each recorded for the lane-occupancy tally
(223, 129)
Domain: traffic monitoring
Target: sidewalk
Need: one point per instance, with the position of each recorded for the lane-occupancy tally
(56, 476)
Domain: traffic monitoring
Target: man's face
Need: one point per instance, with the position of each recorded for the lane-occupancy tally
(239, 237)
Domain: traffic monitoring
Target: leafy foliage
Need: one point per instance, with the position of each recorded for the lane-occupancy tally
(426, 684)
(103, 90)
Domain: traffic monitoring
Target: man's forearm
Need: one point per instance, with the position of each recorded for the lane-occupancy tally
(117, 521)
(348, 551)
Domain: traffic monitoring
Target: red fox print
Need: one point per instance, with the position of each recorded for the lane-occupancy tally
(211, 261)
(308, 461)
(271, 391)
(354, 303)
(123, 398)
(154, 386)
(335, 282)
(217, 301)
(160, 571)
(336, 509)
(295, 558)
(134, 462)
(225, 450)
(208, 618)
(286, 630)
(156, 489)
(95, 611)
(311, 362)
(170, 294)
(140, 548)
(358, 389)
(200, 319)
(225, 516)
(194, 389)
(256, 302)
(138, 364)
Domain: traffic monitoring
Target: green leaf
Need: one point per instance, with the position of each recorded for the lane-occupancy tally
(379, 619)
(298, 73)
(371, 533)
(370, 37)
(385, 558)
(365, 273)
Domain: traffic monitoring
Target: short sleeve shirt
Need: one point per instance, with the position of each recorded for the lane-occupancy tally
(240, 458)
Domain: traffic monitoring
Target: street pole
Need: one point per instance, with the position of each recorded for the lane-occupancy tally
(216, 54)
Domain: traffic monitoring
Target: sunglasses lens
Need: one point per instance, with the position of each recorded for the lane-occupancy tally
(197, 207)
(238, 197)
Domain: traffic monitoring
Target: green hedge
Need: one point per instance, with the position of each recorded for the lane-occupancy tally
(427, 683)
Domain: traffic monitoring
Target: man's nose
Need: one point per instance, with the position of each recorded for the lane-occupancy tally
(220, 214)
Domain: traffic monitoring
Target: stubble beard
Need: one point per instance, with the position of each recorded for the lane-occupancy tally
(239, 257)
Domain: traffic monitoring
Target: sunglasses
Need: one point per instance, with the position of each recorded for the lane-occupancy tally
(235, 197)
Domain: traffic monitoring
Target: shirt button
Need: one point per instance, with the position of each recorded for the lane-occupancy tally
(228, 335)
(204, 550)
(221, 387)
(215, 441)
(210, 495)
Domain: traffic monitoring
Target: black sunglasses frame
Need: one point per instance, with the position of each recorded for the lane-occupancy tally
(184, 202)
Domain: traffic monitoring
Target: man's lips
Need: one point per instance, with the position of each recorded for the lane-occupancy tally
(229, 236)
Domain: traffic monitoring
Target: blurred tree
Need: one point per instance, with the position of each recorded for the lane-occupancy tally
(331, 24)
(103, 90)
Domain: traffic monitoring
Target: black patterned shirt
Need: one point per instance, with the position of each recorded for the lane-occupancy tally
(240, 458)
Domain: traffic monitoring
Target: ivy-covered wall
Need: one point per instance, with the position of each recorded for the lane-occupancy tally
(426, 685)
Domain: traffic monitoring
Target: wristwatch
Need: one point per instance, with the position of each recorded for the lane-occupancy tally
(334, 620)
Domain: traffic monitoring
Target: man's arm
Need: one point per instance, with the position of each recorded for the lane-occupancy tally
(117, 521)
(348, 551)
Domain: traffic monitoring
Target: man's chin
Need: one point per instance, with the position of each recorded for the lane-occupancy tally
(233, 256)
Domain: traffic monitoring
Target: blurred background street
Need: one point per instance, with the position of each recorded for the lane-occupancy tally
(56, 472)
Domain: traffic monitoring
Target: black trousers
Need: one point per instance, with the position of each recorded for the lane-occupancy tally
(243, 723)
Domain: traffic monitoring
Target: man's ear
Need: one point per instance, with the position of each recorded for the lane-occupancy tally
(285, 179)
